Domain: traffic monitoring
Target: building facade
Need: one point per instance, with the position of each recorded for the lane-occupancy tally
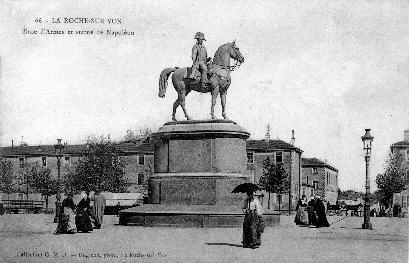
(402, 148)
(277, 151)
(319, 178)
(138, 159)
(306, 177)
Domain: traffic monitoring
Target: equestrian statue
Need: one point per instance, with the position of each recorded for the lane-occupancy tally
(204, 75)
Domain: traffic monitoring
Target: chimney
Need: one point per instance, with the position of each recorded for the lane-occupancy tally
(267, 138)
(292, 138)
(12, 143)
(406, 135)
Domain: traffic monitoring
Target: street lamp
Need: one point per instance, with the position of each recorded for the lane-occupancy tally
(58, 153)
(367, 140)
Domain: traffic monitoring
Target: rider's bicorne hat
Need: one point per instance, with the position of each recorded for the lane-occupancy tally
(200, 35)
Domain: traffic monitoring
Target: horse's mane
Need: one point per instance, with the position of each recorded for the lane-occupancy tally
(222, 47)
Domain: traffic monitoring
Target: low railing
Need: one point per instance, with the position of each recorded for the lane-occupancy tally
(15, 206)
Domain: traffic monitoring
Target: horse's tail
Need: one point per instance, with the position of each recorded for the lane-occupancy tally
(163, 80)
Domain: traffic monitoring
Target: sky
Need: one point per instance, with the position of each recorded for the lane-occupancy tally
(325, 69)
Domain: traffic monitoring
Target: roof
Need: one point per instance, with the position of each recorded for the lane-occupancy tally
(270, 145)
(314, 162)
(48, 150)
(136, 148)
(132, 148)
(40, 150)
(400, 144)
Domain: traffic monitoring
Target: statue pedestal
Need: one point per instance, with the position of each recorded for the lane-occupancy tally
(197, 164)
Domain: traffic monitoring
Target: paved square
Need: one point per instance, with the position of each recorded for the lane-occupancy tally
(29, 238)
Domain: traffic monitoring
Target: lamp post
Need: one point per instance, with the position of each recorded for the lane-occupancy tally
(58, 153)
(367, 140)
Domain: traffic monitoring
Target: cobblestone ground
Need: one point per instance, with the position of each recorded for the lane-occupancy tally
(29, 238)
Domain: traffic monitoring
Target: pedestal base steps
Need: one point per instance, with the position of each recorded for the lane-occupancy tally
(190, 216)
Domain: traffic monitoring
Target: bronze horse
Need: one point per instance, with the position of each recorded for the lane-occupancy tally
(219, 81)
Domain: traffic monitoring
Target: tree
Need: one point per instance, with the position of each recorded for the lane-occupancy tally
(42, 182)
(25, 178)
(137, 135)
(67, 179)
(350, 195)
(392, 180)
(274, 180)
(6, 177)
(100, 169)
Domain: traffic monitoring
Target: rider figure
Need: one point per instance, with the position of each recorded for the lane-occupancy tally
(199, 57)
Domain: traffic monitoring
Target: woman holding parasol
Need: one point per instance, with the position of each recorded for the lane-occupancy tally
(253, 224)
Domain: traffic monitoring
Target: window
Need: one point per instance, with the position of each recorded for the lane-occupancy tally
(407, 156)
(67, 160)
(141, 178)
(44, 160)
(141, 159)
(307, 179)
(314, 170)
(21, 161)
(315, 184)
(279, 157)
(250, 157)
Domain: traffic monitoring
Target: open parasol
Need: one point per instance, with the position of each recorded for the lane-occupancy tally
(245, 188)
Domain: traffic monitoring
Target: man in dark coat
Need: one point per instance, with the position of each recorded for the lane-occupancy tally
(319, 209)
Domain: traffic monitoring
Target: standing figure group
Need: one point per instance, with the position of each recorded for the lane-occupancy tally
(253, 225)
(311, 213)
(80, 218)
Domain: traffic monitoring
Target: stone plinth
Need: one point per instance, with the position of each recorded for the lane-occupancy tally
(197, 164)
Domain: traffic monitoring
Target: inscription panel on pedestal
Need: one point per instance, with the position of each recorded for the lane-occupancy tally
(229, 155)
(189, 191)
(189, 156)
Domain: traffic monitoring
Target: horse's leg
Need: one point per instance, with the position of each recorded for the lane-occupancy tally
(175, 106)
(223, 99)
(182, 96)
(215, 92)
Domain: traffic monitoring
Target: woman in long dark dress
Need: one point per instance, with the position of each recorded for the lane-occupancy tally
(319, 209)
(67, 208)
(82, 219)
(253, 222)
(301, 218)
(312, 219)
